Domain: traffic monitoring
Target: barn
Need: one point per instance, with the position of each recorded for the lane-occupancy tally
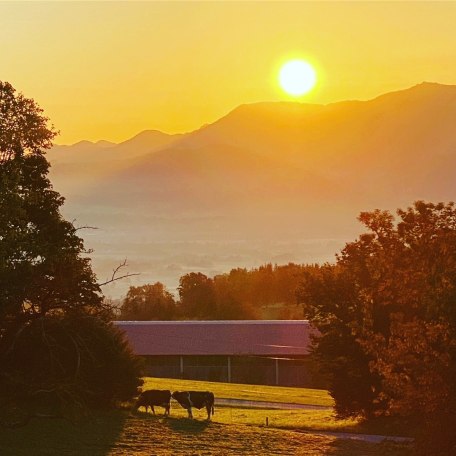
(254, 351)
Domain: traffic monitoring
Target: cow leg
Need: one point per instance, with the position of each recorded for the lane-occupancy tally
(208, 409)
(167, 409)
(190, 415)
(153, 410)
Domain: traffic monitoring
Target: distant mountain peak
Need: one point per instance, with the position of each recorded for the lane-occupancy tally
(150, 133)
(422, 89)
(104, 143)
(150, 137)
(84, 142)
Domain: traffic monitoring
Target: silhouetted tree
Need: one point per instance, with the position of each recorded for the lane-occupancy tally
(264, 285)
(330, 300)
(232, 296)
(387, 312)
(24, 128)
(197, 296)
(148, 302)
(243, 294)
(46, 280)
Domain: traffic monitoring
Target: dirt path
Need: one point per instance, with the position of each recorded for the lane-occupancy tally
(369, 438)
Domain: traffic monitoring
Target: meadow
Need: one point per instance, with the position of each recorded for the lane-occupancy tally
(232, 431)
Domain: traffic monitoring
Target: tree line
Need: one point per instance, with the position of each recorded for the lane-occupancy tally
(241, 294)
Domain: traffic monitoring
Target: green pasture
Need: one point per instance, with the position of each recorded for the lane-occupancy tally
(288, 419)
(304, 396)
(232, 431)
(120, 434)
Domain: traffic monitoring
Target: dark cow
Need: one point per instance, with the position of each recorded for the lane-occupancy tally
(197, 399)
(149, 398)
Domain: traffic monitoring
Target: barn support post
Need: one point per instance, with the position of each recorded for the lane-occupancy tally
(181, 359)
(229, 368)
(277, 371)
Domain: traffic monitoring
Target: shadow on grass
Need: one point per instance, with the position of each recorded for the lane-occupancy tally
(387, 426)
(181, 425)
(351, 448)
(186, 425)
(94, 436)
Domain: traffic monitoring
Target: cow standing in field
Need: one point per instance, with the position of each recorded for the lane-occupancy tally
(197, 399)
(149, 398)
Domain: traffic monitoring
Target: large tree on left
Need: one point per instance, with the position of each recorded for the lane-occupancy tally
(53, 323)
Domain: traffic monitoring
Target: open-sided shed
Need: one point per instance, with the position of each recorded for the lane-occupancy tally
(253, 351)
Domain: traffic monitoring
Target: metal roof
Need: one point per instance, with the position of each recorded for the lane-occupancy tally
(233, 337)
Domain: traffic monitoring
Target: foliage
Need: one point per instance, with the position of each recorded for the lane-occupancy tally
(23, 127)
(43, 269)
(392, 295)
(267, 292)
(329, 297)
(72, 361)
(148, 302)
(54, 333)
(231, 296)
(242, 294)
(197, 296)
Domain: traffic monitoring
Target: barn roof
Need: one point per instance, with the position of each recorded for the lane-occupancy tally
(236, 337)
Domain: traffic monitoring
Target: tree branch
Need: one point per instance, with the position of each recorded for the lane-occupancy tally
(114, 273)
(84, 227)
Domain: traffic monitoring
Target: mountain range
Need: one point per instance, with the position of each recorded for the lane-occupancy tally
(267, 182)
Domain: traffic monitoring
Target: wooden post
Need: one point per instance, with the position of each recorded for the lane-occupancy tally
(277, 371)
(229, 368)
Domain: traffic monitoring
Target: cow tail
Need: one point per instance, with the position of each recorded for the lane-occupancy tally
(212, 409)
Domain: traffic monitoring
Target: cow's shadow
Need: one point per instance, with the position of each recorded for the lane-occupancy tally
(180, 424)
(186, 425)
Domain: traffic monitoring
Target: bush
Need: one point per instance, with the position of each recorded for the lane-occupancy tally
(68, 361)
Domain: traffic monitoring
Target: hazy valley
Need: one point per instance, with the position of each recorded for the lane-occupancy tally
(269, 182)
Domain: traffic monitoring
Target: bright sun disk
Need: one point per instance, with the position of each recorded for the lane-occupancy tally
(297, 77)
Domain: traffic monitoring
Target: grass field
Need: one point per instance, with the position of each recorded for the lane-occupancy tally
(233, 430)
(286, 419)
(304, 396)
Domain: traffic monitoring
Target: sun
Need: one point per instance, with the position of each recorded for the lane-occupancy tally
(297, 77)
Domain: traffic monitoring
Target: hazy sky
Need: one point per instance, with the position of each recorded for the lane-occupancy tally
(105, 70)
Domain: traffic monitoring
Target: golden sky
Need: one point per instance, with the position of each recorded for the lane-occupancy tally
(108, 70)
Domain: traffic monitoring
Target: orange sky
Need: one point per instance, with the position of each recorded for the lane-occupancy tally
(107, 70)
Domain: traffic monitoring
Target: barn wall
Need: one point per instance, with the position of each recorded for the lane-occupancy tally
(259, 370)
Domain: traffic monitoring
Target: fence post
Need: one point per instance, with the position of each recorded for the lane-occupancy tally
(229, 369)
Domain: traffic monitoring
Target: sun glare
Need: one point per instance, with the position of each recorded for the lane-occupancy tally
(297, 77)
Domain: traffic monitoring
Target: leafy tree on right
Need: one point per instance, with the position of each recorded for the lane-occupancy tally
(386, 312)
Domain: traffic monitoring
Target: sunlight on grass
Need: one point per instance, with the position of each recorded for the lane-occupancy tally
(233, 430)
(120, 433)
(306, 396)
(312, 420)
(285, 419)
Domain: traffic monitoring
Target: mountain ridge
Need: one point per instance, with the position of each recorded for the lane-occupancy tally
(349, 144)
(263, 103)
(266, 181)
